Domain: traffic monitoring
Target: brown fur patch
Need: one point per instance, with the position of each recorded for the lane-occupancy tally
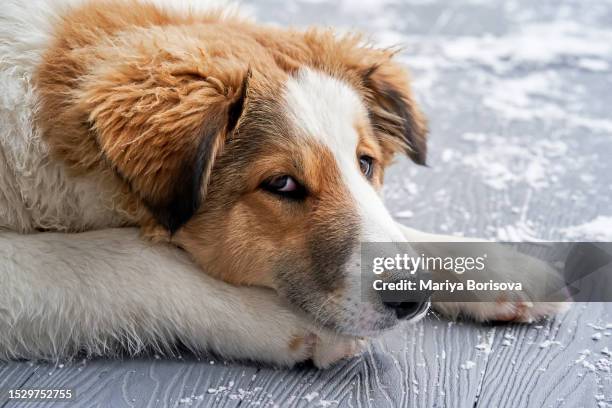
(144, 98)
(146, 94)
(295, 343)
(244, 233)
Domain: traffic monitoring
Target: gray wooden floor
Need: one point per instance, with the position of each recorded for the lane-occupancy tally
(436, 363)
(518, 94)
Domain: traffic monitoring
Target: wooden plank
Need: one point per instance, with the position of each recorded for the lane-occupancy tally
(421, 365)
(418, 365)
(14, 375)
(145, 382)
(554, 364)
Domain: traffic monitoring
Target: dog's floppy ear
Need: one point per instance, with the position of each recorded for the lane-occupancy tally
(161, 128)
(392, 109)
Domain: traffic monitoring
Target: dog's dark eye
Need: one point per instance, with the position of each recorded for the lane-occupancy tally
(285, 186)
(365, 163)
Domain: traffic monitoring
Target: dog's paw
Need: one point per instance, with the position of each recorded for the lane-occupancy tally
(502, 310)
(323, 349)
(330, 349)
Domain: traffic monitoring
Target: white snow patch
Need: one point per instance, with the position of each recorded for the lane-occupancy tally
(604, 365)
(548, 343)
(216, 390)
(503, 162)
(474, 137)
(593, 64)
(538, 44)
(598, 229)
(310, 396)
(326, 403)
(404, 214)
(589, 366)
(191, 399)
(484, 347)
(468, 365)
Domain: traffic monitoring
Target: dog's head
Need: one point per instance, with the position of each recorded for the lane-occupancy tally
(266, 169)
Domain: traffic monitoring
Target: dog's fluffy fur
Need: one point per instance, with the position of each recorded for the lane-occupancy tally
(106, 291)
(126, 113)
(36, 191)
(179, 121)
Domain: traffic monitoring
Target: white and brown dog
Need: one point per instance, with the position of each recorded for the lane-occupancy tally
(259, 151)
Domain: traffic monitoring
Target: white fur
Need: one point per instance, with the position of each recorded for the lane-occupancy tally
(105, 291)
(35, 191)
(326, 109)
(503, 265)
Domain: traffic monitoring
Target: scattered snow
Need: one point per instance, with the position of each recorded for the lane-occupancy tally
(598, 229)
(548, 343)
(310, 396)
(593, 64)
(503, 161)
(604, 365)
(484, 347)
(468, 365)
(474, 137)
(216, 390)
(191, 399)
(589, 366)
(538, 44)
(326, 403)
(404, 214)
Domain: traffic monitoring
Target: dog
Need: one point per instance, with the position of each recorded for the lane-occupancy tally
(258, 151)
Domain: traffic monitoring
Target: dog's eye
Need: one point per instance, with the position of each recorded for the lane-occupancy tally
(285, 186)
(365, 164)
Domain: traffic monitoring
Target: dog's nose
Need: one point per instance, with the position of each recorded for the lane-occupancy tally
(407, 310)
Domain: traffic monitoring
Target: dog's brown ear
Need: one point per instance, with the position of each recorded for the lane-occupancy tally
(392, 109)
(161, 129)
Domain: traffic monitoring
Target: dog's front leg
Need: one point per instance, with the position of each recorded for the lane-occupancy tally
(105, 291)
(502, 265)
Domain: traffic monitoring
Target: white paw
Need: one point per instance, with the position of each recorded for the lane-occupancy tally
(503, 310)
(330, 349)
(543, 292)
(324, 349)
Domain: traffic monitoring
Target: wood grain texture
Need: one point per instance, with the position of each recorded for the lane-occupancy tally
(553, 364)
(435, 363)
(14, 375)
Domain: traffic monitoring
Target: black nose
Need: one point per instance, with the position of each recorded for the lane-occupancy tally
(407, 310)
